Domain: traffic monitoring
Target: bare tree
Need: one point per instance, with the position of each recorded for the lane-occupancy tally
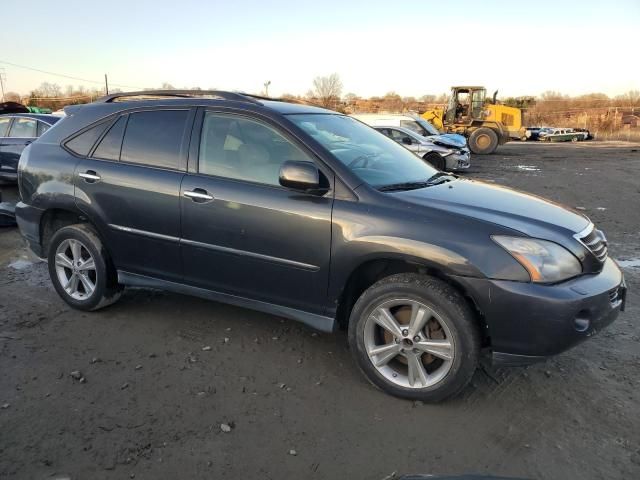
(12, 97)
(327, 90)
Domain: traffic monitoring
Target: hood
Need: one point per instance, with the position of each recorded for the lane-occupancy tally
(526, 213)
(448, 140)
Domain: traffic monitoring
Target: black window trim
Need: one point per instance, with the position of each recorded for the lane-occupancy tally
(194, 148)
(97, 143)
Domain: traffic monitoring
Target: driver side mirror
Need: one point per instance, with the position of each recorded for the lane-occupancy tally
(407, 141)
(302, 176)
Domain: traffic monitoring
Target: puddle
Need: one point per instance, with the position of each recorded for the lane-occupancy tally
(20, 264)
(528, 168)
(631, 263)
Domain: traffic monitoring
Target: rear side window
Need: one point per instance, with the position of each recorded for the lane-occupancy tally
(415, 126)
(154, 138)
(81, 144)
(111, 143)
(4, 126)
(23, 128)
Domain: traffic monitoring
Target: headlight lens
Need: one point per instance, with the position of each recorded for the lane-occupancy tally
(545, 261)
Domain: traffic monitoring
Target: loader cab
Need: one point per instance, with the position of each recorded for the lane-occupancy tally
(465, 105)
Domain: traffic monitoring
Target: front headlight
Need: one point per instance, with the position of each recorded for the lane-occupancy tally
(545, 261)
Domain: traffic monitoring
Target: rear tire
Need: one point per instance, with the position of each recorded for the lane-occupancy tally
(436, 160)
(81, 269)
(428, 360)
(483, 141)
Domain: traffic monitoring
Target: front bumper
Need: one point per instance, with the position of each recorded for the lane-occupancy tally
(528, 322)
(457, 161)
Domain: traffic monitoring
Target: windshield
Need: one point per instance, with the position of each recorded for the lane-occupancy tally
(428, 127)
(372, 156)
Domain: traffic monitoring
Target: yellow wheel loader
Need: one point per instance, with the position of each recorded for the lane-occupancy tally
(484, 122)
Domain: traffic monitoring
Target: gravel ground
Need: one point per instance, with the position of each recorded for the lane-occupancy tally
(168, 386)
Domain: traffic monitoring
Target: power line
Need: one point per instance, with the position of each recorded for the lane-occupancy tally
(65, 76)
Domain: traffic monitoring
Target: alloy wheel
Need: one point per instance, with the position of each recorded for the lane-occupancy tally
(76, 269)
(409, 343)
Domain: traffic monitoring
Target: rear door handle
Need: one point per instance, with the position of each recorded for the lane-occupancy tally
(90, 176)
(198, 195)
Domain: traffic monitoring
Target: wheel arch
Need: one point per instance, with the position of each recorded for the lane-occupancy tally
(372, 270)
(55, 218)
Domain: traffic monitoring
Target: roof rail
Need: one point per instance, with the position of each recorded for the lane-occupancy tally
(179, 94)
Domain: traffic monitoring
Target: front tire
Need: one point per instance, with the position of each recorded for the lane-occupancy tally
(81, 270)
(483, 141)
(415, 337)
(436, 160)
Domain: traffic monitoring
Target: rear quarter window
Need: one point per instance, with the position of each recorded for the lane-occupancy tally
(82, 144)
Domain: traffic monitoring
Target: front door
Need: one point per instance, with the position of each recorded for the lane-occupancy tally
(129, 185)
(244, 234)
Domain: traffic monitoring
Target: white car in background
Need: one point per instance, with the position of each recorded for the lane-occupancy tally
(443, 153)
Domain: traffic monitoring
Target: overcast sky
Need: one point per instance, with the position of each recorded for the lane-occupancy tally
(412, 48)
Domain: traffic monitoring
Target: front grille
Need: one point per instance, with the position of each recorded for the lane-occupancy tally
(596, 242)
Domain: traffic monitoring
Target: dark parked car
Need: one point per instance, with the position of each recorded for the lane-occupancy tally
(311, 215)
(16, 132)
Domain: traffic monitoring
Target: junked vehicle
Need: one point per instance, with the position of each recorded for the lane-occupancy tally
(16, 132)
(444, 152)
(311, 215)
(561, 135)
(413, 122)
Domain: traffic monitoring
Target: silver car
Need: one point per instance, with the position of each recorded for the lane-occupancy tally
(445, 152)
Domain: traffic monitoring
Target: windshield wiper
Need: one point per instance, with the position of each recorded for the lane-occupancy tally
(433, 178)
(436, 179)
(403, 186)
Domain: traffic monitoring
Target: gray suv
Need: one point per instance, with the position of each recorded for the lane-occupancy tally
(312, 215)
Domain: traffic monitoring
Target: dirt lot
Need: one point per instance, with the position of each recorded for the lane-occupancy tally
(155, 393)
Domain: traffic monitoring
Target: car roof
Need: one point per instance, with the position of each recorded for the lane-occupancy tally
(44, 117)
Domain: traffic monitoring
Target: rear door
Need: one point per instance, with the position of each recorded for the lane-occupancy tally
(129, 184)
(243, 233)
(21, 133)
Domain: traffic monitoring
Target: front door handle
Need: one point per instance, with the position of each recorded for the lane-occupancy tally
(90, 176)
(198, 195)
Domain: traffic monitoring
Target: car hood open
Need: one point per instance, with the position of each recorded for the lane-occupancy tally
(448, 140)
(497, 204)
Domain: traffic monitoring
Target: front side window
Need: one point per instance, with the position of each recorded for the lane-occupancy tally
(4, 126)
(236, 147)
(23, 128)
(373, 157)
(154, 138)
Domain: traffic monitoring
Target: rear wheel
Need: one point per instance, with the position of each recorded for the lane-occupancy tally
(574, 139)
(81, 270)
(436, 160)
(483, 141)
(414, 337)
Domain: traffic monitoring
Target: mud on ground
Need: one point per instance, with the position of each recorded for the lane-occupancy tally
(156, 395)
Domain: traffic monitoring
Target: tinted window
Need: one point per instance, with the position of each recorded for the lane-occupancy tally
(4, 126)
(154, 138)
(23, 128)
(236, 147)
(82, 143)
(109, 146)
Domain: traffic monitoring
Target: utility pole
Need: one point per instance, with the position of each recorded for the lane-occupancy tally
(2, 80)
(266, 87)
(106, 85)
